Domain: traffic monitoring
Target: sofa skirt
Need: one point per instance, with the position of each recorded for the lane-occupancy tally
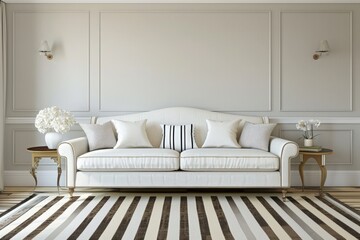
(179, 179)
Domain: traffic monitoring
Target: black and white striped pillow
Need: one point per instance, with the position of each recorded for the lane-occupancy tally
(178, 137)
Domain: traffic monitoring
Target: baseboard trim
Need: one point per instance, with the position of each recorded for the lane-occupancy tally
(24, 178)
(334, 178)
(312, 178)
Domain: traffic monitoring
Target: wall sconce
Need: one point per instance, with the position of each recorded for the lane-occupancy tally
(45, 50)
(324, 48)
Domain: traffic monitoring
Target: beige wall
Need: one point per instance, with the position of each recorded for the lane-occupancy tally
(253, 59)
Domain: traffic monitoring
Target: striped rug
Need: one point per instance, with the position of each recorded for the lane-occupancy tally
(179, 216)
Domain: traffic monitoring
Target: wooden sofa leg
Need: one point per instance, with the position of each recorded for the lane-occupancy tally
(284, 192)
(71, 191)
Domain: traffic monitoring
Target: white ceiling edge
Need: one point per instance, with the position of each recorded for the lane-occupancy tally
(181, 1)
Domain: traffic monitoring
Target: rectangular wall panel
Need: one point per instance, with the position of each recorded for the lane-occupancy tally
(325, 84)
(341, 141)
(21, 138)
(62, 81)
(212, 60)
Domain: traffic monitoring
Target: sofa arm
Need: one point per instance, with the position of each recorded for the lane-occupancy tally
(70, 150)
(285, 150)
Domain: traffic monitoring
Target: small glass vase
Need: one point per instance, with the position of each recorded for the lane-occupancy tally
(308, 142)
(53, 139)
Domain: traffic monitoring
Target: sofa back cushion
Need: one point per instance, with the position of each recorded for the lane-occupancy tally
(99, 136)
(180, 116)
(131, 134)
(256, 136)
(222, 134)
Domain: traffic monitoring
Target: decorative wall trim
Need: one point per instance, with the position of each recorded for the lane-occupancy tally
(24, 178)
(14, 162)
(329, 130)
(182, 1)
(270, 63)
(334, 178)
(28, 163)
(20, 120)
(270, 88)
(351, 60)
(324, 120)
(280, 120)
(31, 120)
(14, 109)
(312, 178)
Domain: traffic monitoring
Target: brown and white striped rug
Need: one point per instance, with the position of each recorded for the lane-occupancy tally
(179, 216)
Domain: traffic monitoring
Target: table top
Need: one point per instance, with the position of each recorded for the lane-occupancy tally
(41, 149)
(323, 151)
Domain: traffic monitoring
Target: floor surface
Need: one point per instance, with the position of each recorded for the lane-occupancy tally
(13, 195)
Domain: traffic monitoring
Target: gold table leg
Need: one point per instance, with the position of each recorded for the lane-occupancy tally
(34, 165)
(33, 173)
(57, 160)
(321, 162)
(58, 178)
(303, 160)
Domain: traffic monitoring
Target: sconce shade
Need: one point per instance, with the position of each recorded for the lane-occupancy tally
(324, 46)
(45, 50)
(44, 47)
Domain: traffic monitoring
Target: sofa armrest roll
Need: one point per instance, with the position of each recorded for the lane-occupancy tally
(285, 150)
(70, 150)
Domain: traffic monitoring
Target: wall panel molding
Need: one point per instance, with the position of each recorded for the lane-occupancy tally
(323, 120)
(280, 120)
(334, 178)
(350, 145)
(31, 120)
(24, 178)
(53, 62)
(349, 94)
(105, 109)
(16, 151)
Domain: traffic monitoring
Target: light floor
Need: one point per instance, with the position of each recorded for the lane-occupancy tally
(13, 195)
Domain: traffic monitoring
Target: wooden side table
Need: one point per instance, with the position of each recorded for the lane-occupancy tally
(37, 153)
(320, 158)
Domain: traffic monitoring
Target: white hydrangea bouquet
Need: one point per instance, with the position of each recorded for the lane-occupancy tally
(54, 119)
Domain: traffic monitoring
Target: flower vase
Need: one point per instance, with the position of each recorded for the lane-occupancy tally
(308, 142)
(53, 139)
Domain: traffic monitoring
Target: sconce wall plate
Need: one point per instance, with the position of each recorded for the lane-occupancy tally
(316, 56)
(49, 56)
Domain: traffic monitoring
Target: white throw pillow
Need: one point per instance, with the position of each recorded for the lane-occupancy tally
(131, 134)
(99, 136)
(256, 135)
(222, 134)
(178, 137)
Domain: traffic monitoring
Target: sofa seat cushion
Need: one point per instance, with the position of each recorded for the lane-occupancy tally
(212, 159)
(134, 159)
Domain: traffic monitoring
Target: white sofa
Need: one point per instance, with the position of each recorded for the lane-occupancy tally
(166, 168)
